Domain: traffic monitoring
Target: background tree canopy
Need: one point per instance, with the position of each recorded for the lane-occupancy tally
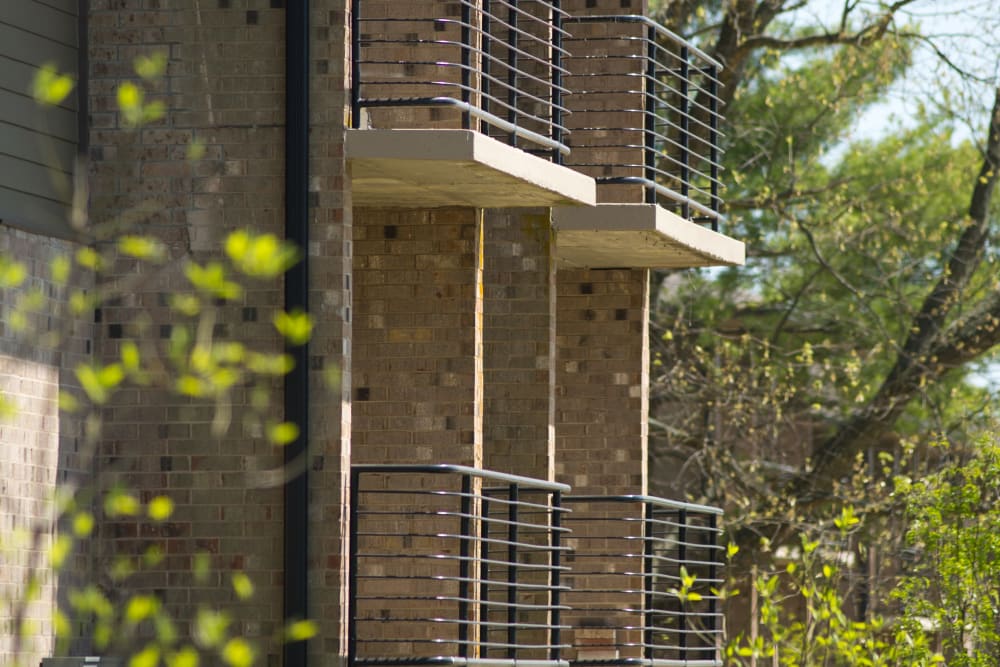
(857, 333)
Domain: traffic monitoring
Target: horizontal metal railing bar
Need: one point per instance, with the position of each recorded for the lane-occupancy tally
(457, 660)
(649, 500)
(459, 642)
(648, 22)
(498, 18)
(666, 192)
(450, 557)
(523, 606)
(456, 621)
(458, 515)
(644, 662)
(444, 468)
(481, 582)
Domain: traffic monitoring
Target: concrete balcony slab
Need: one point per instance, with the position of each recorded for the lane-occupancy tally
(433, 168)
(639, 236)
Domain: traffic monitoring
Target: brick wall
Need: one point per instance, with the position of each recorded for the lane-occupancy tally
(40, 449)
(418, 358)
(602, 380)
(519, 339)
(224, 88)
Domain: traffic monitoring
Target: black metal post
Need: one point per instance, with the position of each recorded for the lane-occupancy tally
(355, 63)
(556, 80)
(352, 575)
(713, 571)
(650, 112)
(512, 518)
(512, 68)
(296, 297)
(685, 623)
(647, 581)
(713, 142)
(554, 577)
(484, 570)
(685, 132)
(466, 62)
(464, 551)
(485, 46)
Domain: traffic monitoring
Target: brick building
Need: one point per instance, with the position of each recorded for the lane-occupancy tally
(480, 190)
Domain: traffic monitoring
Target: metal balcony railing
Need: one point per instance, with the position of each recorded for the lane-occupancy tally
(640, 589)
(454, 565)
(492, 65)
(645, 112)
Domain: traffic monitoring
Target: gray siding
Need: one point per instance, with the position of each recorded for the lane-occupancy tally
(37, 146)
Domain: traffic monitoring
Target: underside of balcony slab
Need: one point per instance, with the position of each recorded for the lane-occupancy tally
(639, 236)
(433, 168)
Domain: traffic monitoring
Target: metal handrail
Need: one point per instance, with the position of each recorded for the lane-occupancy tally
(498, 62)
(452, 564)
(630, 603)
(666, 89)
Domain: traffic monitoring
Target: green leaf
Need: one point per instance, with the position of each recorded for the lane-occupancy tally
(242, 586)
(119, 503)
(149, 656)
(59, 551)
(260, 255)
(210, 627)
(83, 524)
(283, 433)
(130, 103)
(186, 657)
(298, 631)
(59, 269)
(142, 247)
(89, 258)
(238, 653)
(49, 87)
(12, 273)
(295, 326)
(212, 280)
(140, 607)
(160, 508)
(152, 66)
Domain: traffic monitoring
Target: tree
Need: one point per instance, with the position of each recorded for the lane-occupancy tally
(846, 345)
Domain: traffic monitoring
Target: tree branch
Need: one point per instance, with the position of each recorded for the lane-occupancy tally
(930, 351)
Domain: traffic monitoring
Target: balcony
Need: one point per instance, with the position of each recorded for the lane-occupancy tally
(640, 590)
(645, 125)
(454, 565)
(460, 103)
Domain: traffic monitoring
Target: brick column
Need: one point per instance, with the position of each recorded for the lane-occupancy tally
(519, 340)
(418, 358)
(602, 380)
(330, 301)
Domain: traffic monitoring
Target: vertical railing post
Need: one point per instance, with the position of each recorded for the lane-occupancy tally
(554, 578)
(355, 64)
(713, 572)
(713, 142)
(685, 138)
(464, 552)
(650, 108)
(485, 46)
(512, 518)
(512, 68)
(466, 62)
(352, 575)
(647, 580)
(484, 571)
(556, 80)
(685, 623)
